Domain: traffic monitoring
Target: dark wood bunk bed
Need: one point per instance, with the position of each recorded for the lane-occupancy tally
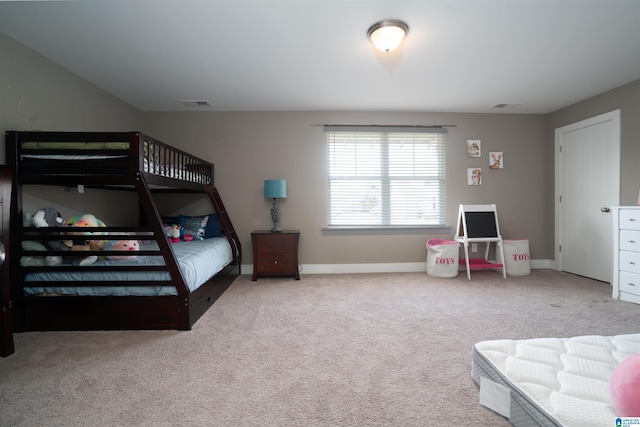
(6, 341)
(118, 161)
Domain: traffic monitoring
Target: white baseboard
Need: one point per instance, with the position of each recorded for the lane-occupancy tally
(402, 267)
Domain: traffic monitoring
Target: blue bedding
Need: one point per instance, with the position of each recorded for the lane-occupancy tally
(199, 260)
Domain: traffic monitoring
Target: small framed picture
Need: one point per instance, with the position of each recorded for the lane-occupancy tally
(474, 148)
(474, 176)
(496, 160)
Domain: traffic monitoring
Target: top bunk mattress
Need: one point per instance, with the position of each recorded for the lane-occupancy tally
(199, 260)
(90, 153)
(555, 381)
(177, 171)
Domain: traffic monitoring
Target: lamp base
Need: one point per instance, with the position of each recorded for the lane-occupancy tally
(276, 229)
(275, 216)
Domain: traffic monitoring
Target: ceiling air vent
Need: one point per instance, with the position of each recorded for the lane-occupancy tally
(190, 103)
(506, 106)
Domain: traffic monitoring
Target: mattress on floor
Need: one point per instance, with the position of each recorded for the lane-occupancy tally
(553, 381)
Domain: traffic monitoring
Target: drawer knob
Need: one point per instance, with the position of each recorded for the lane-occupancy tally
(632, 263)
(275, 261)
(632, 241)
(631, 284)
(631, 219)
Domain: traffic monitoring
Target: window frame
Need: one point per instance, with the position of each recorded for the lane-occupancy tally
(386, 225)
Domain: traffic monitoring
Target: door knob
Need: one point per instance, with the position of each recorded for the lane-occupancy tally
(605, 210)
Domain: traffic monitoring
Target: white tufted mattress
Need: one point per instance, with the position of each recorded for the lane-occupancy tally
(553, 381)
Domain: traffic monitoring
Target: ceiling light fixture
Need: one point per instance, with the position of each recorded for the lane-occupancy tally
(388, 34)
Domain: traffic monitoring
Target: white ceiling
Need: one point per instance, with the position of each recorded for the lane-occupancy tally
(311, 55)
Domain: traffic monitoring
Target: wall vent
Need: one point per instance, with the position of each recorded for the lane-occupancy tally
(196, 103)
(506, 106)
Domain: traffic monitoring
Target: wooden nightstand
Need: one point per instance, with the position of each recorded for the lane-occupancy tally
(275, 254)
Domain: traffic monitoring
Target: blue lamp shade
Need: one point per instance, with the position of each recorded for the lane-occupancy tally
(275, 188)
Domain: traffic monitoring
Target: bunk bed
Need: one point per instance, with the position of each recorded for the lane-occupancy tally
(167, 286)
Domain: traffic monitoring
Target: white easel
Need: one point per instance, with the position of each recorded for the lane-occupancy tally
(479, 224)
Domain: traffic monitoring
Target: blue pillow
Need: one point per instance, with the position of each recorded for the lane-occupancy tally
(213, 227)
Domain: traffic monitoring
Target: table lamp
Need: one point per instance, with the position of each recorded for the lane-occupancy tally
(275, 189)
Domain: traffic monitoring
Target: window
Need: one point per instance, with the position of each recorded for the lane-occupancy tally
(386, 176)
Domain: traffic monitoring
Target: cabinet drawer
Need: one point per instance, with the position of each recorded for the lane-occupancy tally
(630, 282)
(630, 240)
(629, 261)
(277, 263)
(275, 243)
(630, 219)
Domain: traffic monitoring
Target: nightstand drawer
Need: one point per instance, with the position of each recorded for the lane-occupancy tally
(630, 219)
(277, 263)
(630, 240)
(275, 243)
(629, 261)
(630, 282)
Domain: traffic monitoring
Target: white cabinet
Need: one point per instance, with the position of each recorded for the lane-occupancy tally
(626, 253)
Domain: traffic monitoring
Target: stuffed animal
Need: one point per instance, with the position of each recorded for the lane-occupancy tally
(173, 232)
(624, 387)
(82, 243)
(49, 217)
(84, 220)
(122, 245)
(33, 261)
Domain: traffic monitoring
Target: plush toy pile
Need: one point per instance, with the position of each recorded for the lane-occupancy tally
(188, 228)
(81, 241)
(50, 217)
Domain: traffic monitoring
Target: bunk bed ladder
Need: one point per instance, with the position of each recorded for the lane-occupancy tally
(153, 217)
(225, 221)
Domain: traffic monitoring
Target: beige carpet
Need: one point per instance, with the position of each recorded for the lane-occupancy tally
(328, 350)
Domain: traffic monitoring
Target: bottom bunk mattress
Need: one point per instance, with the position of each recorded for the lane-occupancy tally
(551, 381)
(199, 260)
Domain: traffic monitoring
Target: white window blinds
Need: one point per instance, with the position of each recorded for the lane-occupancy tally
(386, 177)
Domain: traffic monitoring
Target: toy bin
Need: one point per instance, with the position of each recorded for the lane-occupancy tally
(517, 260)
(442, 258)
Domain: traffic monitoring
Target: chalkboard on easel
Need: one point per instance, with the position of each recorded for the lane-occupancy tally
(481, 224)
(478, 222)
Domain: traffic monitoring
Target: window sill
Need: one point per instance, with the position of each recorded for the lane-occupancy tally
(382, 230)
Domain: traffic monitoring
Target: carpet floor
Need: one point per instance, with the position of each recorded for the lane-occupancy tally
(386, 349)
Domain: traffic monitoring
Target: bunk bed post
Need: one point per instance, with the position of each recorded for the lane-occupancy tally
(15, 222)
(6, 343)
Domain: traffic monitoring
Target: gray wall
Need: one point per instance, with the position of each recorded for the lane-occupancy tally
(37, 94)
(627, 99)
(248, 147)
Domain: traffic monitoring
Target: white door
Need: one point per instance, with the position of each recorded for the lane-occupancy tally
(587, 185)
